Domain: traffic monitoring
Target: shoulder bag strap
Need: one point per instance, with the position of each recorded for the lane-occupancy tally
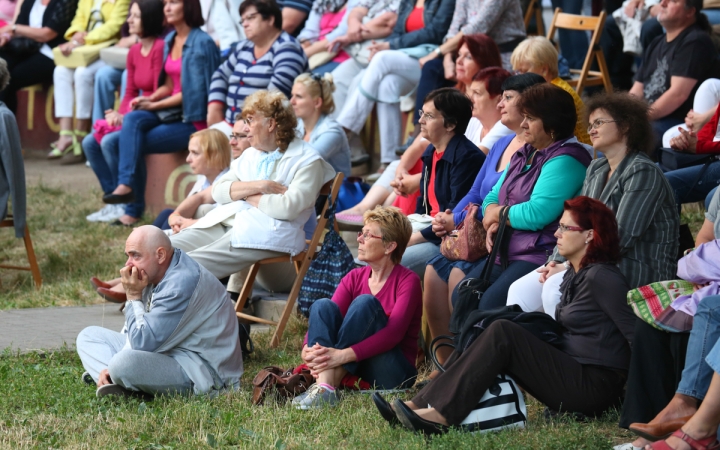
(487, 270)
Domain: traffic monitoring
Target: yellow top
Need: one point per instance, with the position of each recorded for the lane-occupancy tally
(114, 13)
(580, 127)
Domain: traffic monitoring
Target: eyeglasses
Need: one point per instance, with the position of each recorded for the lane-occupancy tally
(563, 228)
(422, 114)
(249, 17)
(236, 136)
(367, 235)
(598, 123)
(318, 79)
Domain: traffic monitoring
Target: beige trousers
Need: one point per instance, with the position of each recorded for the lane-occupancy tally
(210, 247)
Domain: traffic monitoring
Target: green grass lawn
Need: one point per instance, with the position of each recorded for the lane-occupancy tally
(43, 403)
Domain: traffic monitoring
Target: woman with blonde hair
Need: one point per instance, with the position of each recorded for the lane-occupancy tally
(370, 327)
(266, 197)
(538, 55)
(209, 159)
(312, 102)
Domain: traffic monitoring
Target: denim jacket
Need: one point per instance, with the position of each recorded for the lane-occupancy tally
(200, 58)
(437, 15)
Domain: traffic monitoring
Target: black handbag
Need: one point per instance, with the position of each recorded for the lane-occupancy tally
(471, 290)
(22, 46)
(170, 115)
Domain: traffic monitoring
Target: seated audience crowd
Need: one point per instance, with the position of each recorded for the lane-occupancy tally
(574, 199)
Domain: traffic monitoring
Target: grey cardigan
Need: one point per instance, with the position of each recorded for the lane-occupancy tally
(12, 171)
(648, 222)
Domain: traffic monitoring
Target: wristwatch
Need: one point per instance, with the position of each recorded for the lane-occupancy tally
(437, 50)
(14, 29)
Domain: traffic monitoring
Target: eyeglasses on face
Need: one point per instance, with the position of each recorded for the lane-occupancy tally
(422, 114)
(236, 136)
(597, 123)
(562, 228)
(367, 235)
(249, 17)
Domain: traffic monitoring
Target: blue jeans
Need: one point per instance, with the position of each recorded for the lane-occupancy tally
(107, 81)
(325, 68)
(142, 133)
(681, 181)
(364, 317)
(573, 44)
(103, 159)
(161, 221)
(417, 256)
(703, 343)
(496, 295)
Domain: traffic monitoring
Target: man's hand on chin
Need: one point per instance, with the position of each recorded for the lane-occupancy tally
(134, 281)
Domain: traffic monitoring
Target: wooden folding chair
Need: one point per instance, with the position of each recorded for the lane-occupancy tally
(535, 9)
(34, 268)
(302, 263)
(586, 77)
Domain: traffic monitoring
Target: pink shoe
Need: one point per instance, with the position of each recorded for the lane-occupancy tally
(350, 219)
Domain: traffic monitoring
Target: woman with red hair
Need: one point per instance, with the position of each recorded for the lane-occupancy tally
(584, 373)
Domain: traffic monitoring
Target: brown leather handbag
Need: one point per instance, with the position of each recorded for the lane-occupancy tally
(283, 384)
(467, 241)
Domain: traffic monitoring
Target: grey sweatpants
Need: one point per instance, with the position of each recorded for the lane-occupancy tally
(154, 373)
(210, 247)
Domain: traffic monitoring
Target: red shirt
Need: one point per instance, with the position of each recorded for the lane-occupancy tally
(431, 199)
(705, 142)
(143, 73)
(415, 20)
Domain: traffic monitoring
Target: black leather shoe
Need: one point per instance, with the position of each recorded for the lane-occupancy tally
(115, 199)
(385, 409)
(413, 422)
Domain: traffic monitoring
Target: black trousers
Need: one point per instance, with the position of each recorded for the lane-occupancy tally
(25, 70)
(550, 375)
(656, 366)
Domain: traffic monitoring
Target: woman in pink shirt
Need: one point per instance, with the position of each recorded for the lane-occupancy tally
(370, 327)
(144, 63)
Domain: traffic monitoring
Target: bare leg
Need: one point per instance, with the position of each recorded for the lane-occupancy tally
(332, 377)
(82, 125)
(435, 305)
(705, 421)
(375, 196)
(122, 189)
(390, 199)
(431, 415)
(63, 141)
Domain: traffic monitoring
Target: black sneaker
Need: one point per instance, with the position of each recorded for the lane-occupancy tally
(87, 379)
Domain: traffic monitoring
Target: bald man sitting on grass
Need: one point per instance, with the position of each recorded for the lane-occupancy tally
(180, 334)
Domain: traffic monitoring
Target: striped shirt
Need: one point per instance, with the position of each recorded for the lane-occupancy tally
(242, 75)
(647, 217)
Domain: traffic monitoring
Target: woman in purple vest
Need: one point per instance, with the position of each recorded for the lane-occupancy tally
(546, 171)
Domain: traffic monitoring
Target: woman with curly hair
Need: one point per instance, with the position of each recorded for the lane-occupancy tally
(266, 197)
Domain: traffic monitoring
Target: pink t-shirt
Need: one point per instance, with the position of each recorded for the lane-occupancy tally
(173, 68)
(400, 297)
(143, 73)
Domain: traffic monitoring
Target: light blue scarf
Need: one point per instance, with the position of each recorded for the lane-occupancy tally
(266, 164)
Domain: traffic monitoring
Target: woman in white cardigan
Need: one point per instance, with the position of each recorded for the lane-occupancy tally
(266, 197)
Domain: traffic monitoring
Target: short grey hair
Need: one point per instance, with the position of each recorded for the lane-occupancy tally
(4, 75)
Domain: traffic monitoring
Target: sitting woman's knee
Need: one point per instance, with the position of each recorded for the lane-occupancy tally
(122, 366)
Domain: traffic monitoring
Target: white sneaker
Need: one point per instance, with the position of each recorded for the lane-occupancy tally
(96, 216)
(316, 397)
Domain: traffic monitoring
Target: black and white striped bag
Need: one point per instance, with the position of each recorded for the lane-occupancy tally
(502, 406)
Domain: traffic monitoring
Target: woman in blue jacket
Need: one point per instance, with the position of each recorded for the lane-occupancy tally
(393, 73)
(450, 164)
(164, 121)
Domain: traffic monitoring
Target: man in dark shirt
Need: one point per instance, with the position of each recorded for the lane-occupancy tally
(674, 65)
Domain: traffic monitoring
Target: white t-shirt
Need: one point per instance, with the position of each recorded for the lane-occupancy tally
(474, 129)
(35, 20)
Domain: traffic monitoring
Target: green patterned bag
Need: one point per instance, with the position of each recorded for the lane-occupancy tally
(648, 302)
